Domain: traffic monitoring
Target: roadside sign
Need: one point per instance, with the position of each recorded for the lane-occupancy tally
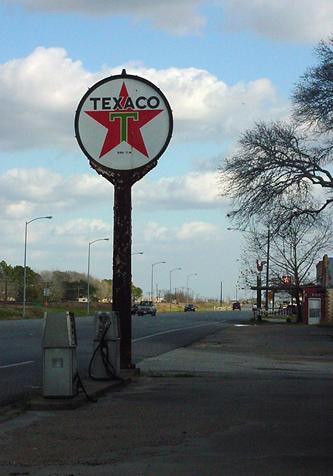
(123, 122)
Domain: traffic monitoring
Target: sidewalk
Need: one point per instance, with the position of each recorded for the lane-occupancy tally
(248, 400)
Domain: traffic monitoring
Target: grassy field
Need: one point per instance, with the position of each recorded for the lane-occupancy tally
(14, 311)
(201, 306)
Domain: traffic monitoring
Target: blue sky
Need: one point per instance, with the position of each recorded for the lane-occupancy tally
(222, 64)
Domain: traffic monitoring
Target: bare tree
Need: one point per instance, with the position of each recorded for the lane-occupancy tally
(280, 166)
(292, 253)
(313, 95)
(277, 167)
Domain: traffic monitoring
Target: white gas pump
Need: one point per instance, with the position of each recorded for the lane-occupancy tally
(105, 360)
(59, 355)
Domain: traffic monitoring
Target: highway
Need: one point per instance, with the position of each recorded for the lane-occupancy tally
(21, 352)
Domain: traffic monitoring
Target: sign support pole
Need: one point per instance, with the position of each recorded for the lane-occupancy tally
(123, 180)
(122, 273)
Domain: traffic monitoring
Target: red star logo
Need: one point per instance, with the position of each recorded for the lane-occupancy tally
(123, 125)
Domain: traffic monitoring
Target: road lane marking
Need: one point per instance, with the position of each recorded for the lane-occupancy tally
(17, 364)
(171, 330)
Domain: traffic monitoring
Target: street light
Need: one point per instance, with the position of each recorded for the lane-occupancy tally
(88, 275)
(152, 278)
(187, 279)
(25, 259)
(170, 272)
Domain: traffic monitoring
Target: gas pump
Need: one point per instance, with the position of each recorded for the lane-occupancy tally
(59, 344)
(105, 360)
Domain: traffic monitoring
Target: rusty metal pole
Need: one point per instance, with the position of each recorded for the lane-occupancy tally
(122, 252)
(122, 273)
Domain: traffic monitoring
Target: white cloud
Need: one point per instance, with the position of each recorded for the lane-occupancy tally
(178, 17)
(205, 107)
(76, 234)
(39, 95)
(37, 184)
(62, 243)
(300, 20)
(49, 237)
(155, 232)
(26, 192)
(79, 226)
(194, 190)
(17, 210)
(197, 230)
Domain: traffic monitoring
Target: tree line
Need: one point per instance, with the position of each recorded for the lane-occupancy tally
(59, 286)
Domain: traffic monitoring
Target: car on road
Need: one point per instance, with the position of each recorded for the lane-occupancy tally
(189, 308)
(146, 307)
(236, 306)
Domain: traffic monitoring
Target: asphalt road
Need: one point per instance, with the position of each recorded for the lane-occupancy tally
(21, 352)
(245, 400)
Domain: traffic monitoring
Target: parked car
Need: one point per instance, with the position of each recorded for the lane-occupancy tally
(146, 307)
(236, 305)
(134, 309)
(189, 308)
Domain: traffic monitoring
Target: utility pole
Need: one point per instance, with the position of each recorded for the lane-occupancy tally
(267, 266)
(259, 290)
(221, 298)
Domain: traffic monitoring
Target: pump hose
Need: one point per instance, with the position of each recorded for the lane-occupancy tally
(77, 378)
(103, 348)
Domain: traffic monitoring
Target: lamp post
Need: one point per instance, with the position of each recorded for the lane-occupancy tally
(187, 288)
(25, 260)
(88, 275)
(152, 278)
(170, 272)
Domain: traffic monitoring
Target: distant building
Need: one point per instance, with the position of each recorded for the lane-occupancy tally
(321, 296)
(324, 272)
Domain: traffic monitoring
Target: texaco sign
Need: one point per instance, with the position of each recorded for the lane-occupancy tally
(123, 122)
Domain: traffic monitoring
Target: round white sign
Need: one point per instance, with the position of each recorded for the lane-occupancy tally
(123, 122)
